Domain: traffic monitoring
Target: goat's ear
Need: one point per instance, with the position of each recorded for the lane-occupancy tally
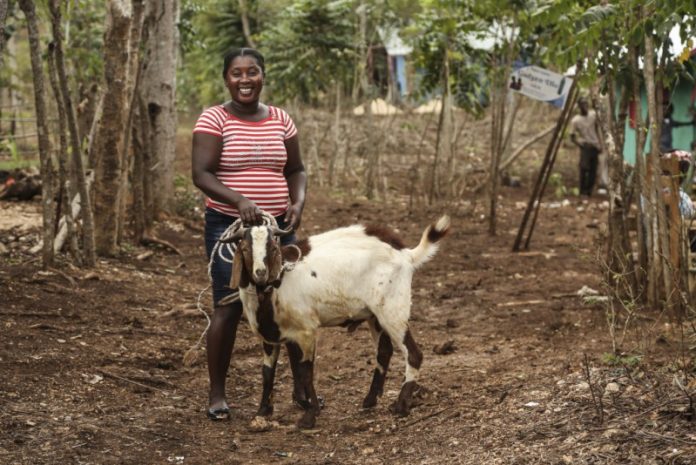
(239, 274)
(275, 265)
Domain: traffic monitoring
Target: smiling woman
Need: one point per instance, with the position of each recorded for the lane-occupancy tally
(245, 158)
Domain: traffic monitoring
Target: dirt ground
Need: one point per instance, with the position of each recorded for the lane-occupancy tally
(92, 369)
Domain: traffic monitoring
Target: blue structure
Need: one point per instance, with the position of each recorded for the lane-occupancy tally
(682, 98)
(397, 53)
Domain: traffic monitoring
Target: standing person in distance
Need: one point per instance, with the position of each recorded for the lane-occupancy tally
(245, 158)
(585, 134)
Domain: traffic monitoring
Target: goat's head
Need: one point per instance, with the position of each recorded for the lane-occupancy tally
(258, 259)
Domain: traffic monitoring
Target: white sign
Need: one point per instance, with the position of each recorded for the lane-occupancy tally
(541, 84)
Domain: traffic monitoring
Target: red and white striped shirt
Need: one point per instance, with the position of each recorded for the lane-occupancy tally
(253, 157)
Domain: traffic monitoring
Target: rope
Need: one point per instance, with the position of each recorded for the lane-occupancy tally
(218, 249)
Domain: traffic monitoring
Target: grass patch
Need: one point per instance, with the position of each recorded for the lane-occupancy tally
(627, 360)
(9, 165)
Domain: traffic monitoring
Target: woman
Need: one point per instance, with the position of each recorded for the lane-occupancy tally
(245, 158)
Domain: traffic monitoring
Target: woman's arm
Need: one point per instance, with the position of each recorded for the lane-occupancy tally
(294, 173)
(205, 157)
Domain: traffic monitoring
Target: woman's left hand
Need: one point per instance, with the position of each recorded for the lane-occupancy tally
(293, 217)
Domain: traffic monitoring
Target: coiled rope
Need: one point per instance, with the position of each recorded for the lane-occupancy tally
(219, 249)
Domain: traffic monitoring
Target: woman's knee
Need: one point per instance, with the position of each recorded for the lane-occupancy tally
(228, 313)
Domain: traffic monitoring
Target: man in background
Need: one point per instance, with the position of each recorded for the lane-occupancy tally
(585, 134)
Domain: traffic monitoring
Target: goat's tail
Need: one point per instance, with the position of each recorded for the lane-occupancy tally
(430, 241)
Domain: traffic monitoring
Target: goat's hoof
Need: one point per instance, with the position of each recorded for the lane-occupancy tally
(369, 402)
(400, 408)
(308, 421)
(265, 411)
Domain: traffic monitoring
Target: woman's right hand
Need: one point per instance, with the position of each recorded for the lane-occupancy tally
(249, 213)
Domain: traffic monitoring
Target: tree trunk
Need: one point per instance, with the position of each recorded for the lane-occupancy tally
(640, 187)
(499, 92)
(140, 137)
(359, 76)
(244, 13)
(65, 183)
(337, 137)
(660, 244)
(4, 7)
(134, 77)
(78, 169)
(47, 202)
(620, 267)
(159, 91)
(107, 145)
(443, 135)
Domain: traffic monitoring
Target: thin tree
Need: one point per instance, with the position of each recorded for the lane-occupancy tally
(134, 74)
(4, 8)
(78, 169)
(47, 202)
(660, 244)
(66, 187)
(244, 14)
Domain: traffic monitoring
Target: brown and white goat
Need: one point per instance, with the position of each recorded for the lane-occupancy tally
(341, 278)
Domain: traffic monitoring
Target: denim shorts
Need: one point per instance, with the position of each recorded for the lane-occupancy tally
(221, 271)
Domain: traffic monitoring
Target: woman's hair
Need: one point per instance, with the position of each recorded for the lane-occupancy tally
(239, 52)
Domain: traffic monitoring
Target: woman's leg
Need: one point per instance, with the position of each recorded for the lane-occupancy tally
(225, 318)
(220, 342)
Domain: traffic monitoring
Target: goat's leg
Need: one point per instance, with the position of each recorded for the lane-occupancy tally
(305, 376)
(385, 349)
(298, 393)
(270, 360)
(414, 359)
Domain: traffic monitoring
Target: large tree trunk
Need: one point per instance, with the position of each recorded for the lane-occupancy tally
(107, 145)
(47, 203)
(159, 91)
(78, 171)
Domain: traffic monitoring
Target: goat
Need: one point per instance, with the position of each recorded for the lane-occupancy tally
(338, 278)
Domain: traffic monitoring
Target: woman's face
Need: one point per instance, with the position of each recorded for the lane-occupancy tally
(244, 79)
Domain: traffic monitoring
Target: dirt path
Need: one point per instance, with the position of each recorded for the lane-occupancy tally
(92, 366)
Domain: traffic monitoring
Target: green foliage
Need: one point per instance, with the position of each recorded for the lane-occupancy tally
(83, 32)
(447, 27)
(208, 29)
(626, 360)
(187, 199)
(9, 147)
(309, 48)
(557, 185)
(309, 45)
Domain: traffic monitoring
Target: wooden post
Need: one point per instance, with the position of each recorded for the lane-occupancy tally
(545, 171)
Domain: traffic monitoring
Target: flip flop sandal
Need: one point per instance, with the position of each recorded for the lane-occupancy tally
(219, 414)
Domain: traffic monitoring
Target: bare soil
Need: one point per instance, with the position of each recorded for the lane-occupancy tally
(92, 360)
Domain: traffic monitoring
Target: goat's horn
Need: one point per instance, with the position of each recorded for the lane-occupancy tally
(280, 232)
(235, 236)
